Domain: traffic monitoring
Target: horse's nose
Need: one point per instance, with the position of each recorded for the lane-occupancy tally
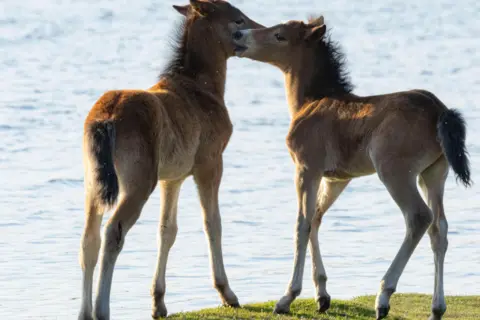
(237, 35)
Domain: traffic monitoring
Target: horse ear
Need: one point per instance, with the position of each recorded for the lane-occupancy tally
(316, 21)
(183, 10)
(315, 33)
(204, 8)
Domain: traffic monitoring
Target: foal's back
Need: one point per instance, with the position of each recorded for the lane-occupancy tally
(173, 124)
(356, 133)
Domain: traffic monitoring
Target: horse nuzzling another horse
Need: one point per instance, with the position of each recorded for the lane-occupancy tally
(177, 128)
(336, 136)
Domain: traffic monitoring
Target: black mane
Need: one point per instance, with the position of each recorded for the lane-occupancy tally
(330, 76)
(179, 64)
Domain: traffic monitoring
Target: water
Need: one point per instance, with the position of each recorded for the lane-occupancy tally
(58, 57)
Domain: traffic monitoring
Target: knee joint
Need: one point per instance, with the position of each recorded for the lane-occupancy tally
(304, 227)
(419, 223)
(115, 236)
(168, 229)
(212, 226)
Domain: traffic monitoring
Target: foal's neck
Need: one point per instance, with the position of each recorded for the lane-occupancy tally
(294, 87)
(205, 59)
(318, 74)
(299, 84)
(296, 79)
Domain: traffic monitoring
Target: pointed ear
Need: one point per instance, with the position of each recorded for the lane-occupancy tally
(204, 8)
(315, 33)
(316, 21)
(183, 10)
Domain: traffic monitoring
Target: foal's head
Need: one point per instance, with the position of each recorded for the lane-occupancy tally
(217, 17)
(281, 45)
(298, 48)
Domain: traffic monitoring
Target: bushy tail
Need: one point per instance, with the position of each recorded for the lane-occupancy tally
(451, 130)
(102, 146)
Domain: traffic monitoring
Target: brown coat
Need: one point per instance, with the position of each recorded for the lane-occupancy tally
(177, 128)
(336, 136)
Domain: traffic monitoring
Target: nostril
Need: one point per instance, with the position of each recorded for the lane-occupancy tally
(237, 35)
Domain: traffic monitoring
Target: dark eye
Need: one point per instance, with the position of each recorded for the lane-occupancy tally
(239, 21)
(279, 37)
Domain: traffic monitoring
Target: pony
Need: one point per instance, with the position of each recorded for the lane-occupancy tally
(177, 128)
(336, 136)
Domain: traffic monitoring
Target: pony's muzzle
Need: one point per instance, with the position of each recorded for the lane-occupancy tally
(237, 35)
(239, 40)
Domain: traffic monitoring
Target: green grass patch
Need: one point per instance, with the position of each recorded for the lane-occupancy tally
(403, 307)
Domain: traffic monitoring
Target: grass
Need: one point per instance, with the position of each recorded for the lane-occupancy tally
(403, 307)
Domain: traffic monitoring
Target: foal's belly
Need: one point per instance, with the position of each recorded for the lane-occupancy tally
(359, 166)
(176, 163)
(341, 174)
(175, 171)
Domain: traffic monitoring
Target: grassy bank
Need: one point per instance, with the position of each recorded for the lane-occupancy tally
(403, 306)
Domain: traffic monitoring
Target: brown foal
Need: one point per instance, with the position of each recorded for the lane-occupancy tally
(177, 128)
(336, 136)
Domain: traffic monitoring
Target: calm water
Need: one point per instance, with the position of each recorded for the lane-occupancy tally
(58, 57)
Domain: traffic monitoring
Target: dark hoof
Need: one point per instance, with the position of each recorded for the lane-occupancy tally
(281, 309)
(323, 304)
(159, 313)
(382, 312)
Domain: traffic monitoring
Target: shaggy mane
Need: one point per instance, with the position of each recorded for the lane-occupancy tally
(330, 75)
(184, 61)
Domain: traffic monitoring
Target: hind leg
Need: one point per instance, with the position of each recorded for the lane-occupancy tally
(328, 193)
(432, 182)
(207, 178)
(401, 184)
(89, 248)
(167, 233)
(128, 210)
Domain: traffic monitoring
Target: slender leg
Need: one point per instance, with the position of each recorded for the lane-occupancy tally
(403, 188)
(328, 193)
(208, 177)
(432, 182)
(167, 232)
(307, 183)
(125, 215)
(90, 246)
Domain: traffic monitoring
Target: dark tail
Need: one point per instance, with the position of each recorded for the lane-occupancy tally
(451, 130)
(102, 146)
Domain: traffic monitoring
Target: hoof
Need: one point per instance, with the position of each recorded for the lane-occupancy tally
(160, 312)
(283, 306)
(382, 312)
(229, 298)
(232, 301)
(281, 309)
(323, 304)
